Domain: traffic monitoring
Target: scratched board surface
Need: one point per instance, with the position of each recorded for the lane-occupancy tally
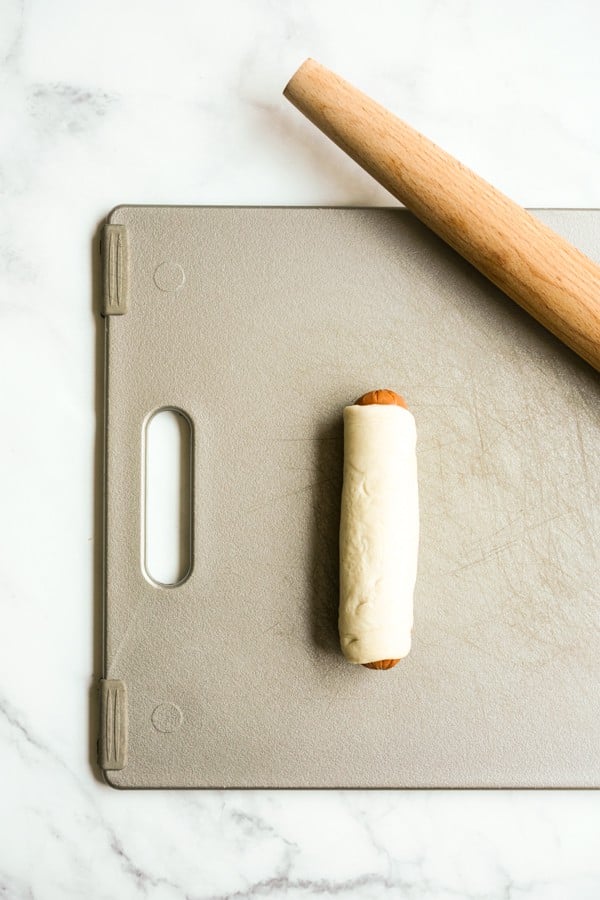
(276, 320)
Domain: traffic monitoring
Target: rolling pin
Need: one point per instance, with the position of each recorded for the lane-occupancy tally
(556, 283)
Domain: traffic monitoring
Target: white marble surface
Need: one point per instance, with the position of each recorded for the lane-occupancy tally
(180, 102)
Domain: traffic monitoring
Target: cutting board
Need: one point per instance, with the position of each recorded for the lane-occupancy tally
(260, 324)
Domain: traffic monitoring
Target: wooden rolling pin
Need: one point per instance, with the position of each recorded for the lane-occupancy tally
(542, 271)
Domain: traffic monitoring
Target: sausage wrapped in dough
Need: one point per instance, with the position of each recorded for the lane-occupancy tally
(379, 530)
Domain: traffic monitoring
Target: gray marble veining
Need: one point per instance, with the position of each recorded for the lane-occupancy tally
(180, 103)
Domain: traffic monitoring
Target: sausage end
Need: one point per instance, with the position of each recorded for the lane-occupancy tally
(385, 397)
(382, 664)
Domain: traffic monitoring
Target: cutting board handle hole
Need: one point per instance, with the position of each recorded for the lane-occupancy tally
(167, 497)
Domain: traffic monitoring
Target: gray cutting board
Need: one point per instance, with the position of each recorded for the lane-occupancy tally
(261, 324)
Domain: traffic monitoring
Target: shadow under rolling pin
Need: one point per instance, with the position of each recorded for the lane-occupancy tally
(556, 283)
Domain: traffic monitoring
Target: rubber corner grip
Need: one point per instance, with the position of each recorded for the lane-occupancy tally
(113, 737)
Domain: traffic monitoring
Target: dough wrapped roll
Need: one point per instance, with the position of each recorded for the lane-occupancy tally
(379, 530)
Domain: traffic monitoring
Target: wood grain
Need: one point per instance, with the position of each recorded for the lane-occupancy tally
(544, 273)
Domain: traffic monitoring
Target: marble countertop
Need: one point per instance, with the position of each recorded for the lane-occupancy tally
(181, 102)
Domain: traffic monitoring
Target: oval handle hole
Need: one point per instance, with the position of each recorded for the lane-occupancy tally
(167, 533)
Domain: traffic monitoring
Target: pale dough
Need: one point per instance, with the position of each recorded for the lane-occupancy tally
(379, 533)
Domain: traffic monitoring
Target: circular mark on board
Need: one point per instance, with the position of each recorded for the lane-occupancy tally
(167, 717)
(169, 277)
